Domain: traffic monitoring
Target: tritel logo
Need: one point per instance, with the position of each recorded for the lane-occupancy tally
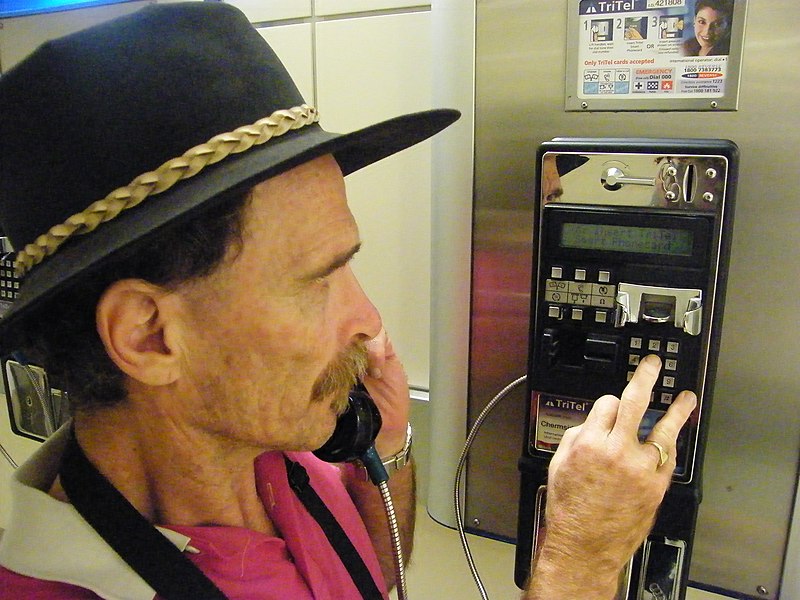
(580, 405)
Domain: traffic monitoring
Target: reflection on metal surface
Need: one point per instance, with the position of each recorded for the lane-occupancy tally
(659, 305)
(673, 182)
(662, 565)
(614, 178)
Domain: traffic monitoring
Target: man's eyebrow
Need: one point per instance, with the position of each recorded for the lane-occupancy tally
(337, 262)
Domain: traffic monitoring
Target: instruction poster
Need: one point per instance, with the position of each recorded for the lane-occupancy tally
(640, 50)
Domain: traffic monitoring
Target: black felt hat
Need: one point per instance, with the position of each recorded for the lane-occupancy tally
(109, 134)
(569, 162)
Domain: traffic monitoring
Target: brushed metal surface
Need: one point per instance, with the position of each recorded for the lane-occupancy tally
(751, 462)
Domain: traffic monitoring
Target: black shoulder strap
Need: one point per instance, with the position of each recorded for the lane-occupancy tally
(351, 559)
(157, 560)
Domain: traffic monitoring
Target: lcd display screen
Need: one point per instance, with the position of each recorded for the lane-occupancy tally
(622, 238)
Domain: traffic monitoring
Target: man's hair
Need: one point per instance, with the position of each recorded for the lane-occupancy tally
(62, 336)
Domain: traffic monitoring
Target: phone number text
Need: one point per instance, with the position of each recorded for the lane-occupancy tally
(665, 3)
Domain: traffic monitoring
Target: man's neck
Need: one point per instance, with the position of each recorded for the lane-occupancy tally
(171, 474)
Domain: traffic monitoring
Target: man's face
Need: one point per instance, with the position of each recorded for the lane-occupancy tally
(551, 181)
(270, 335)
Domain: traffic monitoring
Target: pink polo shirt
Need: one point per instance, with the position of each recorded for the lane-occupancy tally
(245, 564)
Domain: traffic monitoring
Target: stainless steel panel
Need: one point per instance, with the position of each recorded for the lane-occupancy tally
(752, 456)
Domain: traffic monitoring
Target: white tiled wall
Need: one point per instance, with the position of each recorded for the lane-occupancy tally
(338, 7)
(273, 10)
(293, 44)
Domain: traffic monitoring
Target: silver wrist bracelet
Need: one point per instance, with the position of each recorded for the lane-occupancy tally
(392, 463)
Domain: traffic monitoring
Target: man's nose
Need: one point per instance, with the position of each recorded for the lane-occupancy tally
(366, 316)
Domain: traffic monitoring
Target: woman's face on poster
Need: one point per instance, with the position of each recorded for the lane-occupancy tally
(709, 26)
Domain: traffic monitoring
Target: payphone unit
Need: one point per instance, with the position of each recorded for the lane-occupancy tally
(631, 243)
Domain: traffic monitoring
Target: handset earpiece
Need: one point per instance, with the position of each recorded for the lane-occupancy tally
(355, 430)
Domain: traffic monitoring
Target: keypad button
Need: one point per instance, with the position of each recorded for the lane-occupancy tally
(604, 276)
(633, 359)
(556, 285)
(600, 289)
(654, 345)
(629, 376)
(669, 381)
(580, 274)
(581, 299)
(556, 272)
(554, 312)
(579, 287)
(673, 347)
(636, 342)
(577, 314)
(666, 398)
(602, 301)
(601, 316)
(671, 364)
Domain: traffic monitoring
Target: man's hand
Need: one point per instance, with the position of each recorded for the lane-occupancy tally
(604, 488)
(387, 383)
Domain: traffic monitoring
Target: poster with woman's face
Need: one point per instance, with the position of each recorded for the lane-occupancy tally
(643, 53)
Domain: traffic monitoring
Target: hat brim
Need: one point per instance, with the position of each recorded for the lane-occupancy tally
(80, 258)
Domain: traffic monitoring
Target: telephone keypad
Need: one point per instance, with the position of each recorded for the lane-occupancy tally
(578, 294)
(669, 352)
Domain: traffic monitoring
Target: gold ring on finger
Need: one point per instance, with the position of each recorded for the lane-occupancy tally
(663, 456)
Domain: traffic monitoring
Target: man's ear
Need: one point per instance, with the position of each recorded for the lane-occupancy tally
(134, 319)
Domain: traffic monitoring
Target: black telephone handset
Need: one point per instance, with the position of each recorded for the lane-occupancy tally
(354, 435)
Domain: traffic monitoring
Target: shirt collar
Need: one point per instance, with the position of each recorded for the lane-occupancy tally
(48, 539)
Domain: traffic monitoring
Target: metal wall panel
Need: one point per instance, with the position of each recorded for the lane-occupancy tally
(752, 457)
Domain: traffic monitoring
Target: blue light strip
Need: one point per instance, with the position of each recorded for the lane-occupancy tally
(18, 8)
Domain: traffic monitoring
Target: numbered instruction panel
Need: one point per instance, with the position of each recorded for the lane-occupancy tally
(654, 54)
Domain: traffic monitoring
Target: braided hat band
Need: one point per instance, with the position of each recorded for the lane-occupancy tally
(163, 178)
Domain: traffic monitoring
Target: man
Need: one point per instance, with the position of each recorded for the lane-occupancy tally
(204, 317)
